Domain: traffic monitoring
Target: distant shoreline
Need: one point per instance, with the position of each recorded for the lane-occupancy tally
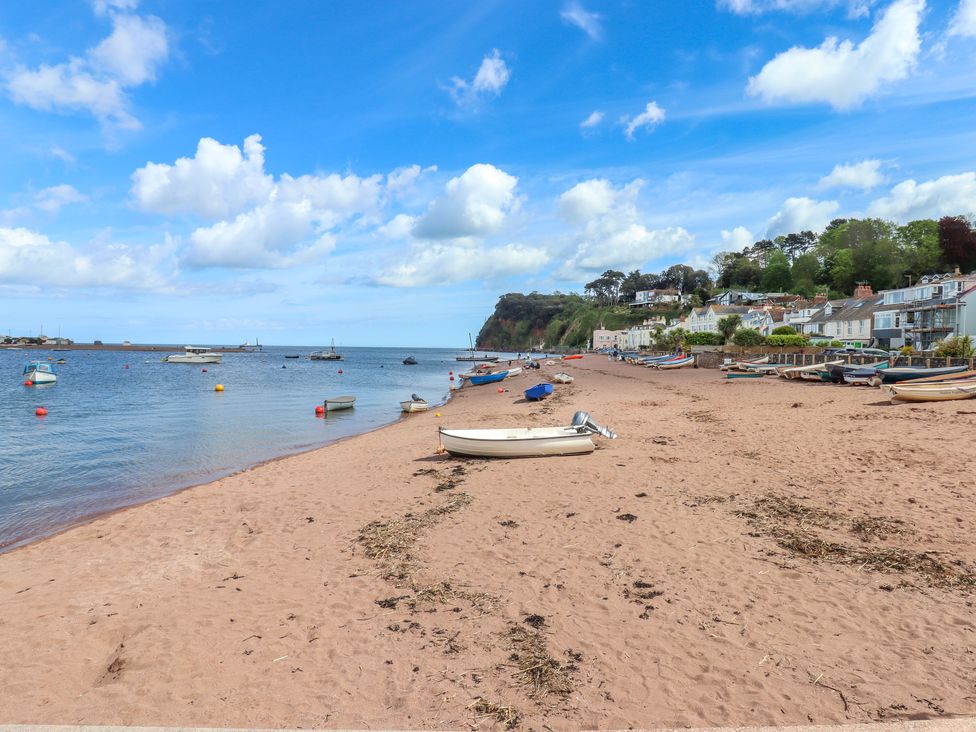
(115, 347)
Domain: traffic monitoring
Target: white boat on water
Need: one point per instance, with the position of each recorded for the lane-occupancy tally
(330, 355)
(40, 373)
(194, 354)
(334, 404)
(414, 404)
(525, 441)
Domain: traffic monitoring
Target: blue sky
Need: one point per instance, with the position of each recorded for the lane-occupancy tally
(380, 173)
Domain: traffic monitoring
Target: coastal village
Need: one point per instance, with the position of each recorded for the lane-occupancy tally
(917, 316)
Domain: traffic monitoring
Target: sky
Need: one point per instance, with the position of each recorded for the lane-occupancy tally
(380, 173)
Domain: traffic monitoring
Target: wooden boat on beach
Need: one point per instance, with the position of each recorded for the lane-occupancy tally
(910, 373)
(514, 371)
(537, 392)
(414, 404)
(562, 378)
(931, 392)
(525, 441)
(335, 404)
(794, 372)
(957, 376)
(744, 365)
(488, 378)
(675, 363)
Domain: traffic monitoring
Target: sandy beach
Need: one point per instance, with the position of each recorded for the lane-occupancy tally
(747, 552)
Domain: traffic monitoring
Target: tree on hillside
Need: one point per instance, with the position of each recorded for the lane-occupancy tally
(842, 272)
(958, 241)
(728, 325)
(804, 272)
(918, 244)
(745, 274)
(606, 288)
(795, 245)
(776, 277)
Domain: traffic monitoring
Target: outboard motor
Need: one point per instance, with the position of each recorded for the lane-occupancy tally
(583, 422)
(417, 398)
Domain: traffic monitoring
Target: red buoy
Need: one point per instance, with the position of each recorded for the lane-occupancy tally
(340, 371)
(40, 412)
(28, 383)
(499, 390)
(204, 371)
(450, 373)
(451, 378)
(127, 365)
(319, 410)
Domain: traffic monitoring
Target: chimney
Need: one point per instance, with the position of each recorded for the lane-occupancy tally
(820, 298)
(863, 290)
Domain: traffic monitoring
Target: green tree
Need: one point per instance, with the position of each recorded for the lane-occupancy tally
(842, 272)
(745, 274)
(728, 325)
(804, 273)
(776, 277)
(747, 337)
(784, 330)
(918, 242)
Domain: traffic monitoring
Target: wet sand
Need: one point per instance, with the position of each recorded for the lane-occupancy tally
(748, 552)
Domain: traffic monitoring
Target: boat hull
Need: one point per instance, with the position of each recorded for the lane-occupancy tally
(909, 393)
(475, 359)
(514, 372)
(488, 378)
(512, 443)
(195, 358)
(412, 406)
(562, 378)
(41, 377)
(537, 392)
(744, 376)
(675, 364)
(893, 376)
(339, 403)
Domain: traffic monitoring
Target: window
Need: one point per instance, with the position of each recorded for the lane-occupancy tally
(882, 321)
(894, 297)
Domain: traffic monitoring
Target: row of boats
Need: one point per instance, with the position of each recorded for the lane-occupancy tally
(901, 383)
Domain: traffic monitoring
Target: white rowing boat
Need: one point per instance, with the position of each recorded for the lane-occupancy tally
(561, 378)
(794, 372)
(525, 441)
(334, 404)
(514, 372)
(415, 403)
(930, 393)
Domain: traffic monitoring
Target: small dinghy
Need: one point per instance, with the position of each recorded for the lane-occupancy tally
(909, 392)
(38, 372)
(537, 392)
(292, 355)
(334, 404)
(514, 371)
(675, 363)
(526, 441)
(745, 376)
(488, 378)
(573, 357)
(414, 404)
(409, 361)
(907, 373)
(562, 378)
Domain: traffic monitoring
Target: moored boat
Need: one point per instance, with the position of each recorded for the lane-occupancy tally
(334, 404)
(194, 354)
(330, 355)
(40, 373)
(409, 361)
(537, 392)
(414, 404)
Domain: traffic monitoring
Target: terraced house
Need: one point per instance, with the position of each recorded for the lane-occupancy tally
(936, 307)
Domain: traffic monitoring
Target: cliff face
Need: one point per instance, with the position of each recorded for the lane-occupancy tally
(521, 322)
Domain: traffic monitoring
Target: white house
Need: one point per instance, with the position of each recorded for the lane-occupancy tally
(705, 320)
(609, 339)
(936, 307)
(642, 336)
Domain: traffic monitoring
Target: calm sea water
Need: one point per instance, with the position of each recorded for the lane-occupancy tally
(115, 436)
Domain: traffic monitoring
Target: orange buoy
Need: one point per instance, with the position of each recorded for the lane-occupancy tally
(319, 410)
(40, 412)
(28, 383)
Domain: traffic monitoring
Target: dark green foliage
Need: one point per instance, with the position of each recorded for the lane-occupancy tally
(728, 325)
(955, 347)
(748, 337)
(784, 330)
(798, 341)
(704, 339)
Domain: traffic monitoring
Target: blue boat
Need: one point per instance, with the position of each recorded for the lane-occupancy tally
(488, 378)
(539, 391)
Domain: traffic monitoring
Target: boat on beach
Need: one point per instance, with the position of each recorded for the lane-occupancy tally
(576, 439)
(573, 357)
(537, 392)
(795, 372)
(747, 375)
(414, 404)
(946, 391)
(910, 373)
(194, 354)
(562, 378)
(488, 378)
(744, 365)
(335, 404)
(39, 372)
(515, 371)
(675, 363)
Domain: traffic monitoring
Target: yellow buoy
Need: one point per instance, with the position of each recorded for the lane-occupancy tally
(219, 387)
(437, 414)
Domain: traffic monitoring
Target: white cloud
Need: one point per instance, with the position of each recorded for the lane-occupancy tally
(737, 239)
(397, 228)
(864, 175)
(840, 73)
(62, 154)
(217, 182)
(52, 199)
(950, 195)
(491, 78)
(855, 8)
(474, 204)
(801, 214)
(575, 14)
(134, 51)
(439, 264)
(964, 20)
(650, 118)
(131, 55)
(28, 257)
(609, 230)
(103, 7)
(595, 118)
(402, 180)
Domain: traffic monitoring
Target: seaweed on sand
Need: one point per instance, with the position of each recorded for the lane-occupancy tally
(536, 668)
(507, 715)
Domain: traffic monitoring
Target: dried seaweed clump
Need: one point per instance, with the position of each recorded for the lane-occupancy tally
(535, 666)
(509, 716)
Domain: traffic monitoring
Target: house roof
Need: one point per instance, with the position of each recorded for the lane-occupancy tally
(730, 309)
(858, 309)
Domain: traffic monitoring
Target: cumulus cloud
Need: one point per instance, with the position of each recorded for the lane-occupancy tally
(650, 118)
(950, 195)
(575, 14)
(397, 228)
(843, 74)
(474, 204)
(490, 79)
(402, 180)
(595, 118)
(28, 257)
(102, 7)
(217, 182)
(61, 154)
(801, 214)
(439, 264)
(130, 56)
(737, 239)
(864, 175)
(52, 199)
(609, 231)
(964, 20)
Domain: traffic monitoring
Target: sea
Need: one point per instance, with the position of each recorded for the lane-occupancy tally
(124, 427)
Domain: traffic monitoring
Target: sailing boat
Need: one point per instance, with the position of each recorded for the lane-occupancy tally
(470, 355)
(329, 355)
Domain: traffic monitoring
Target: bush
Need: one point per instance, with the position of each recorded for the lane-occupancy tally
(747, 337)
(704, 339)
(906, 351)
(784, 330)
(669, 341)
(955, 347)
(786, 340)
